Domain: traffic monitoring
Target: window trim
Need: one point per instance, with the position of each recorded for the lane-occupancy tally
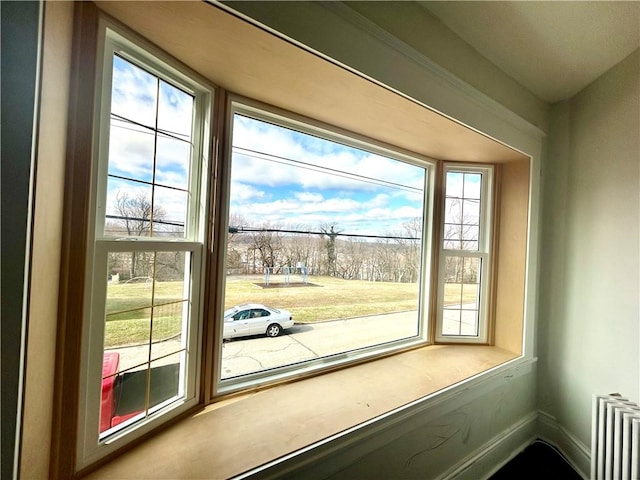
(485, 253)
(260, 111)
(114, 39)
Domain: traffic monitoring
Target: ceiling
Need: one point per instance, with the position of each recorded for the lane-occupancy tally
(553, 48)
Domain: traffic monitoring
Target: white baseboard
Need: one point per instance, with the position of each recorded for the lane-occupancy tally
(487, 460)
(577, 453)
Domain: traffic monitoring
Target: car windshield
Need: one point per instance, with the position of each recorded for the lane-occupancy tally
(230, 312)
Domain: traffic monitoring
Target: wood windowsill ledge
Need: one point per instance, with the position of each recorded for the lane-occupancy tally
(236, 435)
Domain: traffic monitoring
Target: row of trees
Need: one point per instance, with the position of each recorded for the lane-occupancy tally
(326, 252)
(251, 248)
(136, 216)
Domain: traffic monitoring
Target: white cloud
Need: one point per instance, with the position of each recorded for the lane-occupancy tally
(261, 137)
(243, 193)
(364, 214)
(135, 95)
(308, 197)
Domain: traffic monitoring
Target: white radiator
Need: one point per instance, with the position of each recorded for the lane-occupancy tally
(615, 438)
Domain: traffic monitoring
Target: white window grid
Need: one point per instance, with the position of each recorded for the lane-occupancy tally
(479, 249)
(92, 446)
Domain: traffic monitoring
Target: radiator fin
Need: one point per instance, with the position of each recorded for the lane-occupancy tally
(615, 438)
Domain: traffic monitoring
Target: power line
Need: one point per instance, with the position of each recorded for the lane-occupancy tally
(308, 232)
(319, 168)
(145, 182)
(149, 130)
(138, 219)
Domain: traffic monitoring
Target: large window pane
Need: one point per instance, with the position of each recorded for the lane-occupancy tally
(148, 194)
(325, 233)
(145, 312)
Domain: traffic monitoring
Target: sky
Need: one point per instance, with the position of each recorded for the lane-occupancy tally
(279, 177)
(282, 177)
(136, 96)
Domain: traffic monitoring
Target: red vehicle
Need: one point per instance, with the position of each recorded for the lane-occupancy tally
(124, 394)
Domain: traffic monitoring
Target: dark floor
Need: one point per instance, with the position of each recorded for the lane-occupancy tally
(538, 461)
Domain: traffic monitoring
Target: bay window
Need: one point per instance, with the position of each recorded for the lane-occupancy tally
(336, 248)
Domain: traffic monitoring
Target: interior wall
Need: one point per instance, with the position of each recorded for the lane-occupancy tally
(381, 40)
(47, 234)
(512, 261)
(428, 35)
(589, 333)
(20, 48)
(434, 448)
(448, 439)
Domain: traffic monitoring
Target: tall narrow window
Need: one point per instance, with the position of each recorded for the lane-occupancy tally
(464, 258)
(146, 260)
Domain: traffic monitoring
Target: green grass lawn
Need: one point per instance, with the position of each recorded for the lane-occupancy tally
(128, 315)
(326, 299)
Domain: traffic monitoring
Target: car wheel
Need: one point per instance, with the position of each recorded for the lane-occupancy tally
(273, 330)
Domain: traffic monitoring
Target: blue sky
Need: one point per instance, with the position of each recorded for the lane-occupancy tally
(136, 96)
(280, 177)
(305, 181)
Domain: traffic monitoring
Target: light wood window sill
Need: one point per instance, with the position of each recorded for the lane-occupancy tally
(239, 434)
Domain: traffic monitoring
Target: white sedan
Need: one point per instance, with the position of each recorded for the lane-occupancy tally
(255, 319)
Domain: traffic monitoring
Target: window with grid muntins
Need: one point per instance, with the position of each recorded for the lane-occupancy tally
(464, 254)
(146, 260)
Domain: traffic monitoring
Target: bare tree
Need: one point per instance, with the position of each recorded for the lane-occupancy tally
(137, 217)
(409, 253)
(237, 244)
(461, 233)
(298, 249)
(268, 245)
(350, 262)
(331, 233)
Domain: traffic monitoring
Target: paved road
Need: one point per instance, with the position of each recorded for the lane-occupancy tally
(307, 341)
(299, 343)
